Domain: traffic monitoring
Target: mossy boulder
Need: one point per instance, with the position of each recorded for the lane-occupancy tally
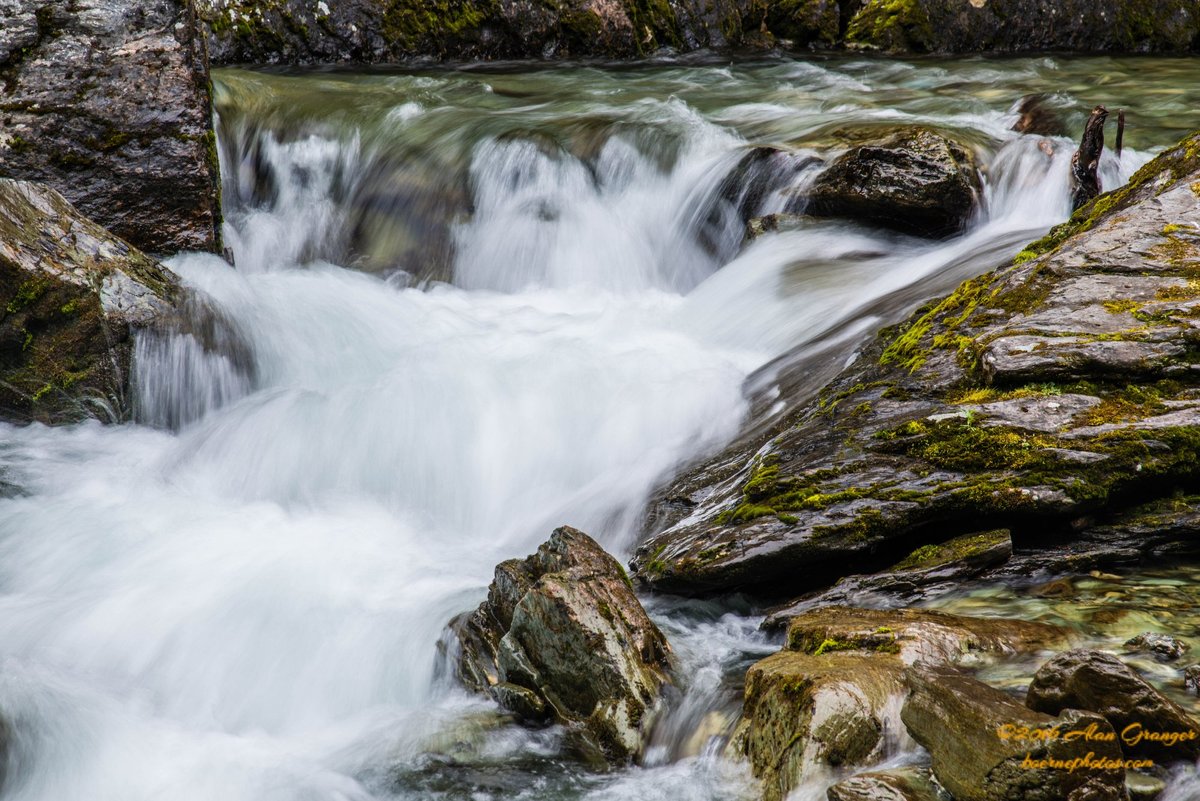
(916, 181)
(71, 297)
(1150, 724)
(987, 747)
(107, 101)
(562, 637)
(1064, 386)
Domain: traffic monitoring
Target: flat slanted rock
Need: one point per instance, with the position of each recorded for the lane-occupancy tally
(71, 296)
(1053, 390)
(562, 637)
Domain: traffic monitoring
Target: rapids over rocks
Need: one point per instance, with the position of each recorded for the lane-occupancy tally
(481, 304)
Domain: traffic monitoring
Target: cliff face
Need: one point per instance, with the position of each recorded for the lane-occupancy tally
(1046, 397)
(380, 31)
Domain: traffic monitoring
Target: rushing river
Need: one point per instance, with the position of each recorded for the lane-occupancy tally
(481, 303)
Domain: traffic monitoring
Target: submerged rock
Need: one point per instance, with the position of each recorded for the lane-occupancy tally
(107, 101)
(985, 746)
(562, 637)
(1151, 725)
(917, 182)
(960, 414)
(1191, 679)
(1163, 647)
(900, 784)
(71, 296)
(1037, 115)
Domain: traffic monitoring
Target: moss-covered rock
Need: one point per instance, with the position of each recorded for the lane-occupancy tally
(562, 637)
(108, 102)
(1028, 397)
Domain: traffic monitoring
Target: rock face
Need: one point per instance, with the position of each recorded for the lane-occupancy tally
(1150, 724)
(954, 26)
(305, 31)
(107, 101)
(562, 637)
(70, 296)
(832, 697)
(979, 740)
(917, 182)
(1055, 390)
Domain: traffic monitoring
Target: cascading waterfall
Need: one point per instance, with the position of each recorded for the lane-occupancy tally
(241, 596)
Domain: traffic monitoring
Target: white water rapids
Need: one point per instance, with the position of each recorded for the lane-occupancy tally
(248, 608)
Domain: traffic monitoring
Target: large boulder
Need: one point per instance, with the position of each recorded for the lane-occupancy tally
(71, 296)
(916, 181)
(107, 101)
(1150, 724)
(960, 414)
(562, 637)
(832, 697)
(987, 747)
(958, 26)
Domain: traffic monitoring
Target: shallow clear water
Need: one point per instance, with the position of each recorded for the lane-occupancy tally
(550, 309)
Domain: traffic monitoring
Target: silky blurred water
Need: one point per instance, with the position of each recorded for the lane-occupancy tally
(480, 304)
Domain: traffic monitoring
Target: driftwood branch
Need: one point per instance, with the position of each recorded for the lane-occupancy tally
(1085, 178)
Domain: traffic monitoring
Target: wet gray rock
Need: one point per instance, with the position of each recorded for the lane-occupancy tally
(917, 182)
(1101, 683)
(1144, 787)
(976, 736)
(922, 437)
(72, 296)
(1162, 647)
(900, 784)
(107, 101)
(562, 637)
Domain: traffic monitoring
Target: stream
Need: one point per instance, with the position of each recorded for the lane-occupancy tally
(481, 303)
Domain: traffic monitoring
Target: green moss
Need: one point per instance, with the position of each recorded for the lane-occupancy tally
(829, 646)
(1129, 404)
(892, 25)
(28, 293)
(910, 344)
(951, 551)
(419, 25)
